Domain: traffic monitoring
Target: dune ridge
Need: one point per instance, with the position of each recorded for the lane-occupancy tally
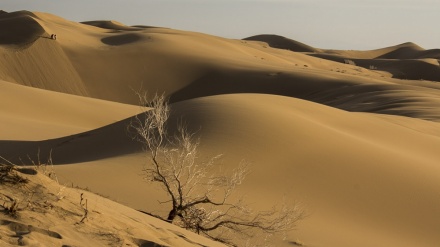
(352, 135)
(410, 50)
(113, 25)
(281, 42)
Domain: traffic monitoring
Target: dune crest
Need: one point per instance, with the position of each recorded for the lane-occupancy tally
(281, 42)
(113, 25)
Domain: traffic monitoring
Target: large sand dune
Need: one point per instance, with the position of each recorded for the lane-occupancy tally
(357, 145)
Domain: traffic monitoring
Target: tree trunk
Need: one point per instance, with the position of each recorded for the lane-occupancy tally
(172, 215)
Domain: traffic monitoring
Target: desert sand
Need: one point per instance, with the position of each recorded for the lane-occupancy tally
(353, 136)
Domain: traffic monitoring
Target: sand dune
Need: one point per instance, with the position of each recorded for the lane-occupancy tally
(355, 142)
(408, 48)
(410, 51)
(34, 114)
(281, 42)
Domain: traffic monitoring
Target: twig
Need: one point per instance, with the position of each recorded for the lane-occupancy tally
(84, 207)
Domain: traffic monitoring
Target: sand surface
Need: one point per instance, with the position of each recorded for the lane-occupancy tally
(49, 214)
(353, 136)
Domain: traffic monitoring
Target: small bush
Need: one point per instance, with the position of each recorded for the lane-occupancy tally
(349, 61)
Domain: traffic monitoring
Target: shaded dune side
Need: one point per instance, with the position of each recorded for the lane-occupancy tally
(109, 141)
(420, 69)
(122, 39)
(281, 42)
(19, 28)
(402, 100)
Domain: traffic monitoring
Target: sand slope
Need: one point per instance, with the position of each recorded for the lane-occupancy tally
(34, 114)
(356, 145)
(50, 214)
(351, 169)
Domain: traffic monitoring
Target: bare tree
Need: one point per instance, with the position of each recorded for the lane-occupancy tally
(202, 197)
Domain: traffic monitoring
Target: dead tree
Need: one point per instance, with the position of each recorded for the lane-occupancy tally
(201, 199)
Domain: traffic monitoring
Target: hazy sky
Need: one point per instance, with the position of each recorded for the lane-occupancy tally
(338, 24)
